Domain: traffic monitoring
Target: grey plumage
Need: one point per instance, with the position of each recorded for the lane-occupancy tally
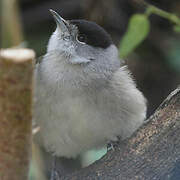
(84, 98)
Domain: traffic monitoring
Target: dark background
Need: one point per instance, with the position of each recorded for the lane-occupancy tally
(155, 64)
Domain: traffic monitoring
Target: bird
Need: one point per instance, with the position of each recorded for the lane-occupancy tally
(84, 96)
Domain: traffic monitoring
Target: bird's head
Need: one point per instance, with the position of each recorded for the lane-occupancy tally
(82, 41)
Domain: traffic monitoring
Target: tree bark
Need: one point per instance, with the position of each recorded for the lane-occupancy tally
(16, 79)
(153, 152)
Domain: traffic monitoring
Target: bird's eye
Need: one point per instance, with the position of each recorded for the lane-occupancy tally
(81, 38)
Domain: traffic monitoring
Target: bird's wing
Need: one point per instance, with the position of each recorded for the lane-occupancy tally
(129, 103)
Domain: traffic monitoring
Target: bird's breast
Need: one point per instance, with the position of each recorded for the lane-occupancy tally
(69, 120)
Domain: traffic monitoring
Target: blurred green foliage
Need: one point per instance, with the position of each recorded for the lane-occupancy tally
(177, 28)
(138, 30)
(173, 57)
(91, 156)
(139, 27)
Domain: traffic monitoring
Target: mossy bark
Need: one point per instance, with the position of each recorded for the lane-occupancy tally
(16, 90)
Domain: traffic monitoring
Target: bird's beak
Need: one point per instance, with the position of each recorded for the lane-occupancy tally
(61, 23)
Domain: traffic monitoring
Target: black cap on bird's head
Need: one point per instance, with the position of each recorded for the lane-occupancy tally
(93, 34)
(88, 32)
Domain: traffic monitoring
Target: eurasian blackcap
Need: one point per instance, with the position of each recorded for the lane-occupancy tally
(84, 96)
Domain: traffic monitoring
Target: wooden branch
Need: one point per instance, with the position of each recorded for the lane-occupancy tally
(16, 78)
(151, 153)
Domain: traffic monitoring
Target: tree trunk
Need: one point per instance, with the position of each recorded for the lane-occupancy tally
(16, 78)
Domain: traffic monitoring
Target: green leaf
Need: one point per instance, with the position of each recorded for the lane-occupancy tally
(177, 28)
(137, 31)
